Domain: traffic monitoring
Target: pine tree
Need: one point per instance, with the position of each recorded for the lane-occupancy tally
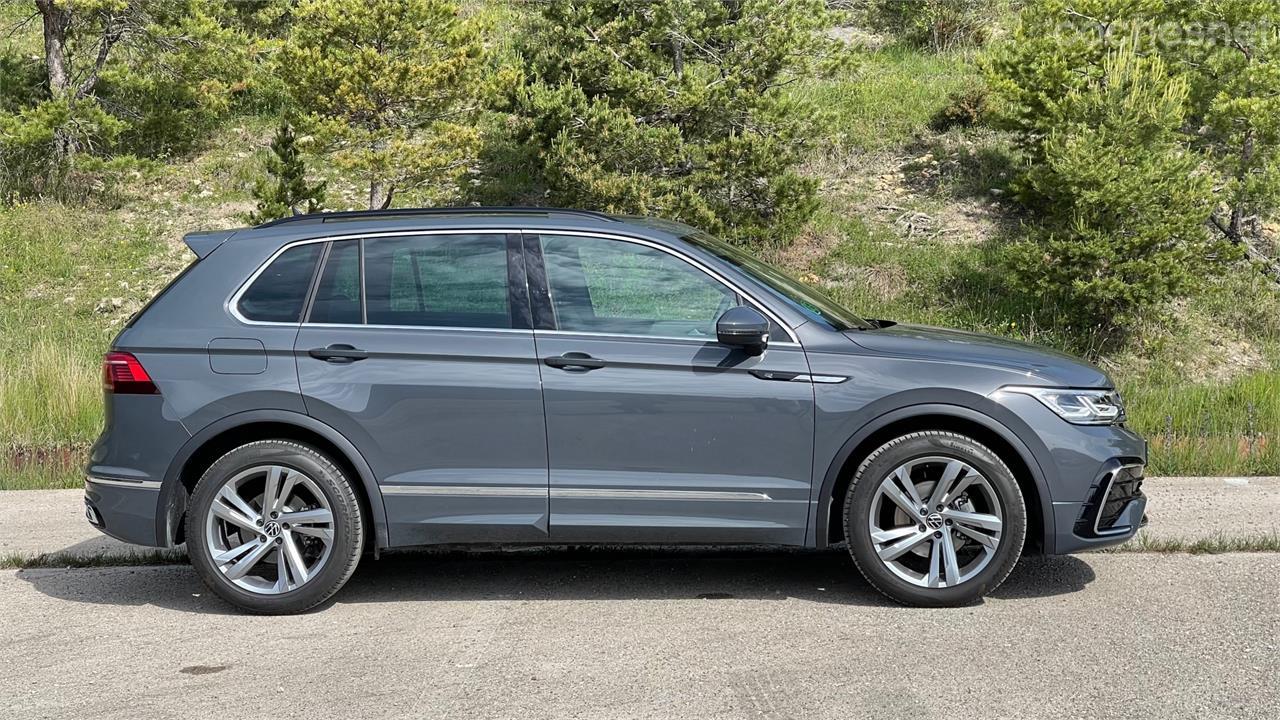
(287, 191)
(677, 108)
(382, 85)
(1236, 108)
(1119, 201)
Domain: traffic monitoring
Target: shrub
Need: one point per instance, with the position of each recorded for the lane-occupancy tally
(964, 108)
(1120, 202)
(939, 25)
(30, 166)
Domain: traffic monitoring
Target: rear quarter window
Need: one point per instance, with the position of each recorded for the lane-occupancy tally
(280, 291)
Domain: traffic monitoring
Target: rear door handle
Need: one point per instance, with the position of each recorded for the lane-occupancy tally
(340, 353)
(574, 361)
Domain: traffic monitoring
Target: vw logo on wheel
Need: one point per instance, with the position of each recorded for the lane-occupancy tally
(272, 529)
(934, 521)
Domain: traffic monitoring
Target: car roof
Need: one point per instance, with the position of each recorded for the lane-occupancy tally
(320, 225)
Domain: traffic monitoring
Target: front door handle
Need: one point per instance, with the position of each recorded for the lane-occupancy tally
(340, 353)
(574, 361)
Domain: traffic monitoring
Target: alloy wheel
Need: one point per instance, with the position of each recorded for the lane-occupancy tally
(269, 529)
(935, 521)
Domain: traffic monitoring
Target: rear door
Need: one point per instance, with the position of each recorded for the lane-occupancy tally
(418, 348)
(656, 432)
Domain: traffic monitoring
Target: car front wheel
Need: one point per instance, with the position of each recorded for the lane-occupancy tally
(934, 519)
(274, 527)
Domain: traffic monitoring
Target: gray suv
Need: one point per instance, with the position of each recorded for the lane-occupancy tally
(326, 385)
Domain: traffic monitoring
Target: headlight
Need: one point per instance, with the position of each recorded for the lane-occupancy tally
(1081, 407)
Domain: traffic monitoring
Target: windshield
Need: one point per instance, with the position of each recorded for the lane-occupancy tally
(808, 300)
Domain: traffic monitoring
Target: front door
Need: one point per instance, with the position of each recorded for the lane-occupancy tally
(426, 362)
(656, 432)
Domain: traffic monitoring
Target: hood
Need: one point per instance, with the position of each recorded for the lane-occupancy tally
(929, 343)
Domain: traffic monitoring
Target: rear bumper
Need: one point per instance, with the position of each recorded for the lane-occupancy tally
(1113, 512)
(124, 509)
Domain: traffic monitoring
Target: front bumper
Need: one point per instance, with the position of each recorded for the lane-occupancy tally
(124, 509)
(1113, 512)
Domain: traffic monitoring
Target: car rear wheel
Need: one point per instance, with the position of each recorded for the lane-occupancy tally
(274, 527)
(934, 519)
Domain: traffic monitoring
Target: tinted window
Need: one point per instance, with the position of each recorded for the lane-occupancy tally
(808, 300)
(437, 280)
(277, 295)
(611, 286)
(338, 294)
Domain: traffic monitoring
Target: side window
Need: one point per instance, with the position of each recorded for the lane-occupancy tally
(437, 280)
(338, 294)
(612, 286)
(277, 295)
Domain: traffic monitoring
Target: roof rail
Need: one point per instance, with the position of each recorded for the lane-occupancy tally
(416, 212)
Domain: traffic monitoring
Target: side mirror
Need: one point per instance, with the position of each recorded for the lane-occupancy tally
(743, 327)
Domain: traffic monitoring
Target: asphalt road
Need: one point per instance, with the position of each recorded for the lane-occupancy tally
(653, 635)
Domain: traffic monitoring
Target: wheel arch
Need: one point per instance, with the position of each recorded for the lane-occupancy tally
(828, 523)
(219, 437)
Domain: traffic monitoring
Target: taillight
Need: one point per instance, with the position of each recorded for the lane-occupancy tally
(123, 374)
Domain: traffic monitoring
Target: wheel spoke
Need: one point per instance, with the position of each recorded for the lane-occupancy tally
(894, 551)
(222, 510)
(293, 558)
(226, 556)
(904, 476)
(282, 574)
(981, 537)
(884, 536)
(324, 533)
(949, 560)
(245, 564)
(271, 490)
(308, 517)
(899, 498)
(965, 482)
(979, 520)
(949, 475)
(934, 577)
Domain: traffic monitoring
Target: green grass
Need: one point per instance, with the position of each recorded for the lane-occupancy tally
(63, 473)
(894, 94)
(69, 278)
(59, 560)
(1213, 545)
(1209, 429)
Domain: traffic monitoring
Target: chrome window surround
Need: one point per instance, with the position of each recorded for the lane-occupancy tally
(234, 300)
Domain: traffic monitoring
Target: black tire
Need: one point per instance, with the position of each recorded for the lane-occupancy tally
(885, 460)
(347, 526)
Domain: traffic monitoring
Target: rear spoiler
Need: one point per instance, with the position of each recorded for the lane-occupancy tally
(203, 243)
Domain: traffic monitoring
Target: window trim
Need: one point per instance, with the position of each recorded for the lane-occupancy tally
(234, 299)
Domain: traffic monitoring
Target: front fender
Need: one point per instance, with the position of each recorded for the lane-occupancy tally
(933, 402)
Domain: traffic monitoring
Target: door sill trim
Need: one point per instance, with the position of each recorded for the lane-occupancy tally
(465, 490)
(636, 494)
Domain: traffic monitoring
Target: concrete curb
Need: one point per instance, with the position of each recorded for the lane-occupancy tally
(35, 522)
